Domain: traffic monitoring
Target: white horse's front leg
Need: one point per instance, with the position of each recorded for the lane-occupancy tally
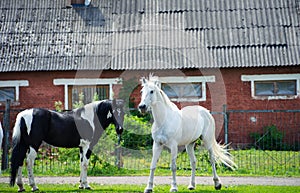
(30, 163)
(156, 151)
(174, 151)
(84, 162)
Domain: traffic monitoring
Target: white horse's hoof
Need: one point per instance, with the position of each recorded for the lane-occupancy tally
(218, 186)
(190, 187)
(173, 190)
(147, 190)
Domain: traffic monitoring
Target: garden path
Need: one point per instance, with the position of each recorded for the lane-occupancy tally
(201, 180)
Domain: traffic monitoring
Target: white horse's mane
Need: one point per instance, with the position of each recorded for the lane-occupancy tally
(154, 80)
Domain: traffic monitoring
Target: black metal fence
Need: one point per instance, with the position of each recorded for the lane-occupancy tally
(263, 142)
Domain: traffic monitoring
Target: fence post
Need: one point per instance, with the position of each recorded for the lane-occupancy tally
(118, 153)
(6, 128)
(225, 123)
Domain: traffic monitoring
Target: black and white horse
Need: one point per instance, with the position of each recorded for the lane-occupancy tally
(81, 128)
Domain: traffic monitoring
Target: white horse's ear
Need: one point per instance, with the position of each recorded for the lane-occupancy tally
(144, 81)
(156, 83)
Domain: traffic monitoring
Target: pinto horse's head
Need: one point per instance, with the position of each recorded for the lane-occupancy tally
(118, 115)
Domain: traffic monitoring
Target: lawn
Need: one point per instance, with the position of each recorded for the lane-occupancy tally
(250, 162)
(68, 188)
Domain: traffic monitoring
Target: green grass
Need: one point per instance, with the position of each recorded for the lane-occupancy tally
(69, 188)
(250, 162)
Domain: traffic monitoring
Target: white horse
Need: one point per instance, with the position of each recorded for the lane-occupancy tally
(173, 127)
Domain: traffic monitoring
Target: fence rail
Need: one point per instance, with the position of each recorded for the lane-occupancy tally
(251, 133)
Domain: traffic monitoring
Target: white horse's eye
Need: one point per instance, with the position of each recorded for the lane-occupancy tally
(151, 92)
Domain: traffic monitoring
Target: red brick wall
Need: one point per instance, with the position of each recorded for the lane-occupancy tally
(228, 89)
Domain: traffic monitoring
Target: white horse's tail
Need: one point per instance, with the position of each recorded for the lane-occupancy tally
(221, 155)
(219, 152)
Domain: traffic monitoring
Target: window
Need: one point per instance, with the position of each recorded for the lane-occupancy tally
(7, 93)
(88, 87)
(88, 92)
(188, 88)
(273, 86)
(182, 90)
(10, 89)
(71, 3)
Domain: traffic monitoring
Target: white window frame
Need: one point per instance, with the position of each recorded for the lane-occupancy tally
(188, 79)
(66, 82)
(16, 84)
(272, 77)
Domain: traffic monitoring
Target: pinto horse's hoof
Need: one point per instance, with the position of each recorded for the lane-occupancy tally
(22, 190)
(87, 188)
(218, 187)
(34, 190)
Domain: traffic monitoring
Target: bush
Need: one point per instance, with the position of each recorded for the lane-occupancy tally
(137, 133)
(270, 139)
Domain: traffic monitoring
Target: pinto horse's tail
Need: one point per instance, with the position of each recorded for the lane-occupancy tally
(20, 146)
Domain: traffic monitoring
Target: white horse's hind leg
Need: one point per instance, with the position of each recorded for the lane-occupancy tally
(30, 163)
(20, 181)
(191, 153)
(84, 162)
(156, 151)
(216, 179)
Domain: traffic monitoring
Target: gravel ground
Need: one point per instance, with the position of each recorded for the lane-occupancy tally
(226, 181)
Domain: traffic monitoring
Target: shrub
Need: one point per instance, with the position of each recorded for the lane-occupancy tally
(137, 133)
(270, 139)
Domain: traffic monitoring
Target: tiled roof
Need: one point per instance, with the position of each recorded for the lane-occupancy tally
(41, 35)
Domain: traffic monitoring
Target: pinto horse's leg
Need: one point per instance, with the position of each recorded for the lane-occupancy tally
(19, 180)
(191, 153)
(84, 162)
(30, 163)
(156, 151)
(174, 151)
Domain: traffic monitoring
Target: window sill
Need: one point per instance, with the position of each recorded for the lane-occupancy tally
(187, 99)
(275, 97)
(14, 103)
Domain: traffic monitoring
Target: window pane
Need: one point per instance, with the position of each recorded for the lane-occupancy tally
(170, 90)
(7, 93)
(275, 88)
(88, 92)
(264, 88)
(192, 90)
(179, 90)
(286, 88)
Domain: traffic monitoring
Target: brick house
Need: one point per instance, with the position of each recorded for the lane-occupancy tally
(242, 53)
